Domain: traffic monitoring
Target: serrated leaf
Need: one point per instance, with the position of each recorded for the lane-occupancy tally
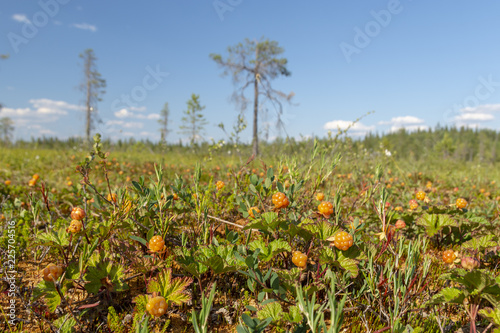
(105, 274)
(66, 324)
(293, 315)
(433, 223)
(171, 289)
(321, 229)
(350, 265)
(50, 294)
(480, 243)
(271, 310)
(448, 295)
(493, 315)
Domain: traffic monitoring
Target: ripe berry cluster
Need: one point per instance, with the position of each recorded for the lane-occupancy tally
(156, 244)
(413, 204)
(280, 200)
(220, 185)
(420, 195)
(299, 259)
(52, 272)
(449, 256)
(343, 241)
(326, 208)
(157, 306)
(75, 226)
(461, 203)
(77, 213)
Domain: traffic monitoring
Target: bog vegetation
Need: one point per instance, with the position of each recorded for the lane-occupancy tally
(398, 233)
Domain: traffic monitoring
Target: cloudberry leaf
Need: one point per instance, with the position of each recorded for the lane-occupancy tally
(48, 290)
(171, 289)
(433, 223)
(448, 295)
(348, 264)
(271, 310)
(105, 274)
(493, 315)
(480, 243)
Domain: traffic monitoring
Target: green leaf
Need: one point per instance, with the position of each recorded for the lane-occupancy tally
(271, 310)
(321, 229)
(448, 295)
(107, 275)
(171, 289)
(350, 265)
(293, 315)
(480, 243)
(139, 239)
(433, 223)
(66, 324)
(493, 315)
(49, 292)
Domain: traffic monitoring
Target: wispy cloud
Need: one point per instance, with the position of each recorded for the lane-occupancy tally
(403, 120)
(85, 26)
(42, 109)
(21, 18)
(472, 116)
(355, 128)
(124, 113)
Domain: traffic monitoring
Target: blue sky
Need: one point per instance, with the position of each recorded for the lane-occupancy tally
(415, 63)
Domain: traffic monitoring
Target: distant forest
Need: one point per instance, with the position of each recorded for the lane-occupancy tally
(460, 144)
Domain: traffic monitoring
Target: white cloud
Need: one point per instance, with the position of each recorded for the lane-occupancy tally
(475, 117)
(21, 18)
(404, 120)
(124, 113)
(42, 110)
(480, 113)
(85, 26)
(485, 108)
(354, 128)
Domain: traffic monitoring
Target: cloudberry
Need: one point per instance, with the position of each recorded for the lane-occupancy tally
(461, 203)
(32, 182)
(413, 204)
(156, 243)
(342, 240)
(320, 196)
(326, 208)
(77, 213)
(470, 263)
(420, 195)
(400, 224)
(7, 182)
(157, 306)
(449, 256)
(75, 226)
(220, 185)
(299, 259)
(35, 177)
(52, 272)
(251, 211)
(280, 200)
